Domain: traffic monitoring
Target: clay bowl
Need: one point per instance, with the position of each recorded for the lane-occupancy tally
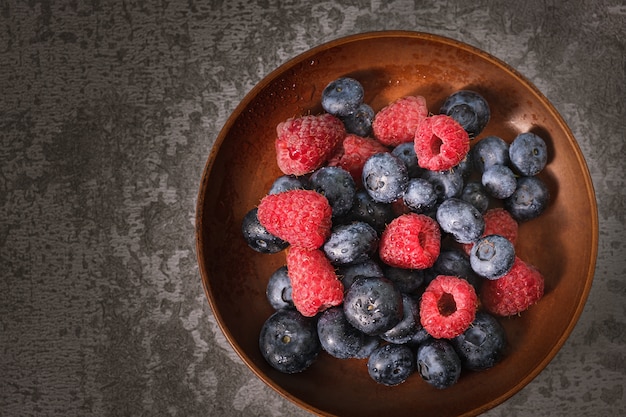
(562, 242)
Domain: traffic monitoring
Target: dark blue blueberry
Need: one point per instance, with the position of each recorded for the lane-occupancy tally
(465, 167)
(257, 236)
(351, 243)
(447, 184)
(481, 346)
(406, 153)
(438, 363)
(385, 177)
(342, 96)
(461, 219)
(289, 342)
(391, 365)
(456, 263)
(286, 183)
(492, 256)
(530, 199)
(406, 280)
(469, 109)
(489, 151)
(375, 213)
(349, 273)
(475, 194)
(360, 121)
(420, 196)
(337, 185)
(499, 181)
(278, 289)
(340, 339)
(409, 326)
(528, 154)
(373, 305)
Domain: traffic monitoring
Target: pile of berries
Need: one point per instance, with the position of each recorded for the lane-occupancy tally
(400, 237)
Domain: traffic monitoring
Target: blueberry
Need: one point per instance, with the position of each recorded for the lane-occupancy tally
(420, 196)
(349, 273)
(257, 236)
(337, 185)
(469, 109)
(447, 184)
(406, 153)
(489, 151)
(466, 166)
(481, 346)
(286, 183)
(499, 181)
(492, 256)
(438, 363)
(475, 194)
(360, 121)
(461, 219)
(530, 199)
(406, 280)
(278, 289)
(373, 305)
(456, 263)
(407, 329)
(342, 96)
(351, 243)
(289, 342)
(339, 339)
(385, 177)
(365, 208)
(528, 154)
(391, 365)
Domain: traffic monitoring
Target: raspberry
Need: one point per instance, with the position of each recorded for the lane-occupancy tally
(300, 217)
(515, 292)
(314, 283)
(498, 221)
(410, 241)
(397, 122)
(440, 143)
(448, 307)
(353, 154)
(305, 143)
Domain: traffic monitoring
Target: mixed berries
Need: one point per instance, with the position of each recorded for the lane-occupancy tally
(399, 237)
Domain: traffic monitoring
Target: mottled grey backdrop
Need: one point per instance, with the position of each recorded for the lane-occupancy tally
(108, 111)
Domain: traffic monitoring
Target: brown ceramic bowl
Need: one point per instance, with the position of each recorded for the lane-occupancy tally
(562, 242)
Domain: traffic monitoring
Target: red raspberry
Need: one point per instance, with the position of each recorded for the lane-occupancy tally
(448, 307)
(353, 154)
(314, 284)
(515, 292)
(305, 143)
(440, 143)
(498, 221)
(410, 241)
(397, 122)
(300, 217)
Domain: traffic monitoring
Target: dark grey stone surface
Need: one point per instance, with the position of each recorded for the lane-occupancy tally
(108, 111)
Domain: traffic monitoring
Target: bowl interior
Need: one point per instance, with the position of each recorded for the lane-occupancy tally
(562, 242)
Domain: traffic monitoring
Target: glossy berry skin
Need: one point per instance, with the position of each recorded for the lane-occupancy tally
(278, 291)
(456, 263)
(492, 256)
(406, 153)
(359, 122)
(530, 199)
(385, 177)
(447, 184)
(420, 196)
(406, 280)
(391, 364)
(373, 305)
(337, 185)
(289, 342)
(489, 151)
(438, 363)
(351, 243)
(407, 329)
(257, 236)
(342, 96)
(340, 339)
(349, 273)
(475, 194)
(373, 212)
(499, 181)
(286, 183)
(481, 346)
(469, 109)
(528, 154)
(462, 220)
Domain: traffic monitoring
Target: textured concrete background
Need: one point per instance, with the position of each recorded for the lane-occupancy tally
(108, 111)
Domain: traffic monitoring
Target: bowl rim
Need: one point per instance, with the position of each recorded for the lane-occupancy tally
(400, 34)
